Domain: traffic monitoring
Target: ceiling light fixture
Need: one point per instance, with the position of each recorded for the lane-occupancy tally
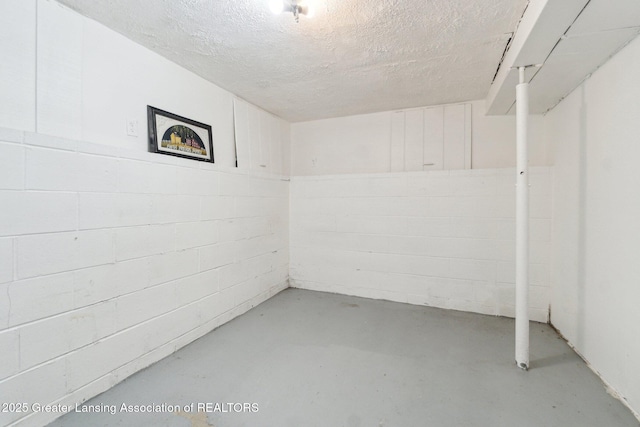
(297, 7)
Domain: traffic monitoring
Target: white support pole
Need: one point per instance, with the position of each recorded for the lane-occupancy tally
(522, 225)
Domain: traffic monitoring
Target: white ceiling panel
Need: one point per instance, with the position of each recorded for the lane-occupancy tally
(553, 22)
(506, 98)
(565, 68)
(596, 32)
(597, 46)
(539, 30)
(603, 15)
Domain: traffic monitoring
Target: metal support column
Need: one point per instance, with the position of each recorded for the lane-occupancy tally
(522, 224)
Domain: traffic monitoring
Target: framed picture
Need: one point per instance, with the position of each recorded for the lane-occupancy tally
(178, 136)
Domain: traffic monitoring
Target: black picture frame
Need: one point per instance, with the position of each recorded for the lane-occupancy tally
(179, 136)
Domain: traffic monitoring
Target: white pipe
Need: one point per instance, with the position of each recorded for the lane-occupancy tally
(522, 225)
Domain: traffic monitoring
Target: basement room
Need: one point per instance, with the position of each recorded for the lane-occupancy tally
(319, 213)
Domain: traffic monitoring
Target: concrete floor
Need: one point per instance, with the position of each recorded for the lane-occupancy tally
(315, 359)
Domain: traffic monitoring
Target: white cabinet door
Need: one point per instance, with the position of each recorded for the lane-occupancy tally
(447, 137)
(457, 136)
(397, 141)
(454, 137)
(275, 164)
(241, 120)
(265, 139)
(433, 138)
(413, 140)
(253, 125)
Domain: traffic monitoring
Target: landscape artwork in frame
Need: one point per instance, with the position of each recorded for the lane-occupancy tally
(178, 136)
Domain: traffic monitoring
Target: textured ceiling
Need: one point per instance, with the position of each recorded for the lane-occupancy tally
(352, 57)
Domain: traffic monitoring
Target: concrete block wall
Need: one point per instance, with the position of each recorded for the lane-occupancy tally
(595, 270)
(438, 238)
(111, 259)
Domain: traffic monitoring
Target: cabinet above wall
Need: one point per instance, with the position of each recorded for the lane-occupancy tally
(455, 136)
(261, 139)
(433, 138)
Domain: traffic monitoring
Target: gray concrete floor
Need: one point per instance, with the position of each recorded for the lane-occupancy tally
(316, 359)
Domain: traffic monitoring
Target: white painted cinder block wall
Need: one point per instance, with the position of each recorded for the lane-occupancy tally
(112, 257)
(438, 238)
(100, 283)
(595, 135)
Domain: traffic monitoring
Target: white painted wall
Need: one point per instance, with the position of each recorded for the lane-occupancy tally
(439, 238)
(107, 268)
(493, 142)
(363, 144)
(595, 271)
(91, 80)
(18, 76)
(112, 257)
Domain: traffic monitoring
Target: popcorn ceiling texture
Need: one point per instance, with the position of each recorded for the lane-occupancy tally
(352, 57)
